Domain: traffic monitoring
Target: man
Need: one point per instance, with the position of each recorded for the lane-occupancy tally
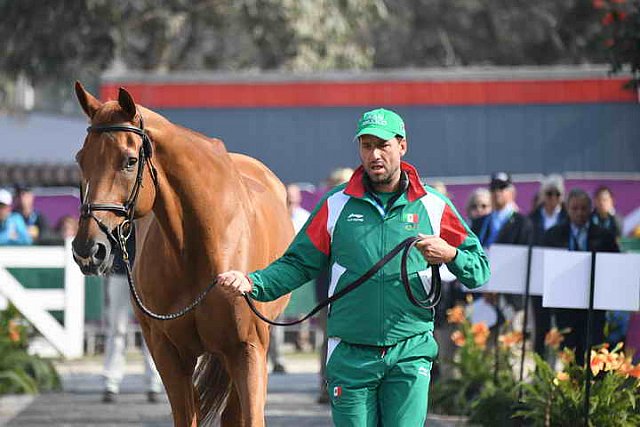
(36, 222)
(579, 235)
(604, 212)
(118, 312)
(503, 225)
(381, 347)
(13, 230)
(551, 212)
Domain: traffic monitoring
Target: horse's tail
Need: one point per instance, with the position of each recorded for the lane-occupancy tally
(213, 386)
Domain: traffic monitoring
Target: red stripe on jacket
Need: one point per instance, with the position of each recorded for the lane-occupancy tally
(451, 229)
(317, 230)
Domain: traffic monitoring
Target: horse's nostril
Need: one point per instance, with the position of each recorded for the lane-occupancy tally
(100, 252)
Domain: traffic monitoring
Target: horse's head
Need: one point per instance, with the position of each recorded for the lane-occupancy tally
(117, 178)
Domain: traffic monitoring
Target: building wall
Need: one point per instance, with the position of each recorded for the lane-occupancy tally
(458, 124)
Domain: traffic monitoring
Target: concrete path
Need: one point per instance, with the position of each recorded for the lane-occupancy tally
(291, 400)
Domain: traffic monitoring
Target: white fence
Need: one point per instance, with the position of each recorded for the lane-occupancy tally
(34, 304)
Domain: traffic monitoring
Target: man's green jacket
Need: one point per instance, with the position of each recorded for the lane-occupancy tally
(349, 232)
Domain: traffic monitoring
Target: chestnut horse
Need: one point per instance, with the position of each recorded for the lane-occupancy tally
(202, 211)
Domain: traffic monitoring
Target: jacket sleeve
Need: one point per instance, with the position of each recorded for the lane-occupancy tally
(305, 258)
(470, 265)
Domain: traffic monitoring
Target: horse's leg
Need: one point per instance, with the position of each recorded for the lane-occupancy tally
(249, 374)
(176, 374)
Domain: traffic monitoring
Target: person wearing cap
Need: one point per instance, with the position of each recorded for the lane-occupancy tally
(503, 225)
(551, 212)
(36, 222)
(13, 230)
(381, 347)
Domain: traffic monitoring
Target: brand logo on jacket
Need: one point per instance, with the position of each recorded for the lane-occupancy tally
(354, 217)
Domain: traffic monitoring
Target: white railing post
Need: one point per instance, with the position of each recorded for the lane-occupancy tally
(74, 303)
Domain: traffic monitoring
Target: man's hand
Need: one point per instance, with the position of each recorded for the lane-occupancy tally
(235, 283)
(435, 250)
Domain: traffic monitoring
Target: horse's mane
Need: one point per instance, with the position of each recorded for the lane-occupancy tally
(112, 113)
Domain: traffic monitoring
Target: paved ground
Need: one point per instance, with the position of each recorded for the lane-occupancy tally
(291, 400)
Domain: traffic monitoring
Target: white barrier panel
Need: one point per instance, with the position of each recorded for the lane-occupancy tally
(33, 304)
(563, 277)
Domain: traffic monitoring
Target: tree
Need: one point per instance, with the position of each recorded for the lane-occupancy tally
(621, 35)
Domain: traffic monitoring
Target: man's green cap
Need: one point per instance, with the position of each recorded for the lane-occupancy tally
(382, 123)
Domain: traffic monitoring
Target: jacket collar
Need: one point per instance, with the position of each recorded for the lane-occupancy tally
(356, 188)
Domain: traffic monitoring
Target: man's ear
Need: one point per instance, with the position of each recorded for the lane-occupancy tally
(403, 146)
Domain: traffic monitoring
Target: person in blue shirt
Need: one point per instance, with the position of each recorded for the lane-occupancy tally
(13, 230)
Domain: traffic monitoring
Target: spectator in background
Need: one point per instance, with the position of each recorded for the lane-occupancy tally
(35, 221)
(604, 212)
(118, 312)
(67, 227)
(441, 188)
(578, 234)
(503, 225)
(13, 230)
(549, 213)
(299, 216)
(338, 176)
(478, 204)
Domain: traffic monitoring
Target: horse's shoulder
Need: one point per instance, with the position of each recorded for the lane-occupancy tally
(256, 176)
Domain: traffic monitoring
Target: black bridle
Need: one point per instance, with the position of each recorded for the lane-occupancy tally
(126, 210)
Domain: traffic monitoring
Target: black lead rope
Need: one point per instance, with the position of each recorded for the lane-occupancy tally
(433, 297)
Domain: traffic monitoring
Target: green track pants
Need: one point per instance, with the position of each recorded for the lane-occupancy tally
(380, 386)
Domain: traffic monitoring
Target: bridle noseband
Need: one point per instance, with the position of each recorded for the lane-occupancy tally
(122, 231)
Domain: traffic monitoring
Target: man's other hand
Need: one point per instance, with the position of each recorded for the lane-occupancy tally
(435, 250)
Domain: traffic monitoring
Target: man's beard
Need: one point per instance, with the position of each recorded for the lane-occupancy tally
(383, 179)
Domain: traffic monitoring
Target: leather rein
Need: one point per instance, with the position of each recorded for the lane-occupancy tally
(432, 299)
(122, 232)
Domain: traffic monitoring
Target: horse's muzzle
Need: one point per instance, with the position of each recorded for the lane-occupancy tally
(94, 257)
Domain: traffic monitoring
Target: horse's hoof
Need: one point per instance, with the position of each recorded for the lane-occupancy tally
(109, 397)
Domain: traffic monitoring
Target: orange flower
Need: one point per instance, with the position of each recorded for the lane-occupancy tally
(597, 362)
(553, 338)
(634, 371)
(456, 314)
(510, 339)
(458, 338)
(14, 331)
(566, 356)
(480, 333)
(562, 376)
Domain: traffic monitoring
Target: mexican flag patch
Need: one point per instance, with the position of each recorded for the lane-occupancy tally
(337, 391)
(411, 218)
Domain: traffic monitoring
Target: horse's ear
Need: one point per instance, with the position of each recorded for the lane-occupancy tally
(87, 101)
(126, 103)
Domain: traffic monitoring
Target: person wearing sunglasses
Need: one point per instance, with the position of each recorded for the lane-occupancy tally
(548, 213)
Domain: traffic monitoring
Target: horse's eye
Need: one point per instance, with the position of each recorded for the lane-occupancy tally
(131, 162)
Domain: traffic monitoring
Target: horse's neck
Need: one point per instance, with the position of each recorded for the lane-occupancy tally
(200, 199)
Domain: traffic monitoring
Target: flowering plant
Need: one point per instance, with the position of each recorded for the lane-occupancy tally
(557, 399)
(21, 372)
(478, 366)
